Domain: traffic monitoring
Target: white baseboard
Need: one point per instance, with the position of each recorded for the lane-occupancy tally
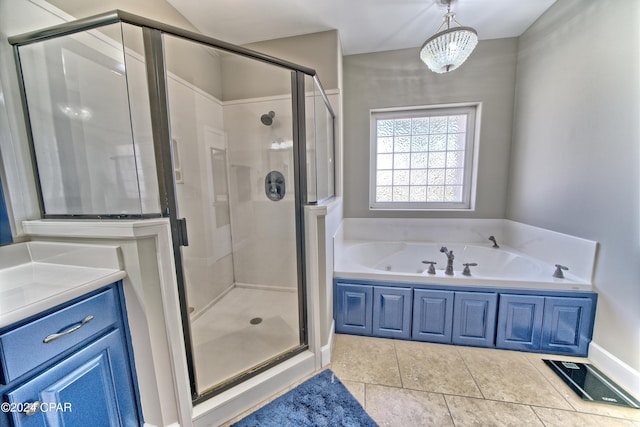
(620, 372)
(325, 351)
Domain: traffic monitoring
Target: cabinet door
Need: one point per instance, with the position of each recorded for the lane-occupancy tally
(432, 315)
(474, 318)
(566, 327)
(391, 312)
(354, 311)
(90, 388)
(519, 322)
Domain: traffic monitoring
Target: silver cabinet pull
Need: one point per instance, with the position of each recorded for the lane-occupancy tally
(32, 408)
(74, 328)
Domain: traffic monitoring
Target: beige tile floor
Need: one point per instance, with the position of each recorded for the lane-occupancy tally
(404, 383)
(407, 384)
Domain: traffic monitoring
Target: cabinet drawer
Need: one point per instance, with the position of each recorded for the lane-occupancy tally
(23, 348)
(92, 387)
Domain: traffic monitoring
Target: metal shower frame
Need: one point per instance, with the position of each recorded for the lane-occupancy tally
(152, 32)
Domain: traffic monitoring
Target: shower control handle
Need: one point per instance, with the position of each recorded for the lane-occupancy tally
(274, 186)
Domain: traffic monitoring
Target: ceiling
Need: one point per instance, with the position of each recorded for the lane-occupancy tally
(363, 25)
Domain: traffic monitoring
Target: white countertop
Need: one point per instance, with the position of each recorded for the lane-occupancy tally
(36, 276)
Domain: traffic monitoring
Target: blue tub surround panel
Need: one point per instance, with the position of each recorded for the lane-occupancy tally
(567, 325)
(432, 315)
(474, 320)
(520, 325)
(392, 312)
(548, 321)
(354, 308)
(72, 364)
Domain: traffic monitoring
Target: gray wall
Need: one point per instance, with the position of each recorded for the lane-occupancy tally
(250, 79)
(320, 51)
(398, 78)
(575, 155)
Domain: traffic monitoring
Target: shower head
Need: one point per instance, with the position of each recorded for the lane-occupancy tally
(267, 119)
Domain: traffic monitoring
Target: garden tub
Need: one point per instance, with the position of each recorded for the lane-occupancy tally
(403, 261)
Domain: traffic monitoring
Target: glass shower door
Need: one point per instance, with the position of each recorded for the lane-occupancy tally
(233, 162)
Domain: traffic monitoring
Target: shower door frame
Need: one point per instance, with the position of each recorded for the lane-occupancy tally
(152, 32)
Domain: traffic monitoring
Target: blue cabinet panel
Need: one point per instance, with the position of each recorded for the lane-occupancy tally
(519, 322)
(432, 315)
(391, 312)
(354, 311)
(567, 326)
(90, 388)
(474, 318)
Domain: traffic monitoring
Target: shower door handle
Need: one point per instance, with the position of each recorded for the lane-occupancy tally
(183, 237)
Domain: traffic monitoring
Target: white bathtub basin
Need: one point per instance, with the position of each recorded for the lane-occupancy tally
(402, 261)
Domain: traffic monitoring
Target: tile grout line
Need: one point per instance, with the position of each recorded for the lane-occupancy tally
(537, 415)
(471, 374)
(395, 352)
(552, 386)
(589, 414)
(448, 409)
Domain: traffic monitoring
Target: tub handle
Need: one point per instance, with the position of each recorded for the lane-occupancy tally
(467, 271)
(431, 269)
(558, 273)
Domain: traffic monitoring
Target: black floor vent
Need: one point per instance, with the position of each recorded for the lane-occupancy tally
(591, 384)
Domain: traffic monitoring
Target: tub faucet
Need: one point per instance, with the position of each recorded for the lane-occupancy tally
(493, 239)
(449, 254)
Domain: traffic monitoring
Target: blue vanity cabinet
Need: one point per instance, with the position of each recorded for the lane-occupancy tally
(432, 315)
(474, 318)
(90, 388)
(71, 366)
(519, 322)
(392, 312)
(567, 326)
(354, 309)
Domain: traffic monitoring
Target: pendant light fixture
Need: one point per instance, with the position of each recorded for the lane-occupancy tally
(449, 47)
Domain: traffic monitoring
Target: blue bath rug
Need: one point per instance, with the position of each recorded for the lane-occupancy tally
(320, 401)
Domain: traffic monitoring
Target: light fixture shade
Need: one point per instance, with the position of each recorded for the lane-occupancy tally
(448, 49)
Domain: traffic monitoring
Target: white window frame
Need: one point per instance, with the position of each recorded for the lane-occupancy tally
(473, 112)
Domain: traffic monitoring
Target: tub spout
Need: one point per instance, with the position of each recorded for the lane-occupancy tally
(493, 239)
(449, 254)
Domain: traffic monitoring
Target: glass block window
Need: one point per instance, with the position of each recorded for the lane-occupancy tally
(423, 158)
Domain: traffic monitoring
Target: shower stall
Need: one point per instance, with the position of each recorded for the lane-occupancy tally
(130, 118)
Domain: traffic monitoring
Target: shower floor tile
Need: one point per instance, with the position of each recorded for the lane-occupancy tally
(227, 343)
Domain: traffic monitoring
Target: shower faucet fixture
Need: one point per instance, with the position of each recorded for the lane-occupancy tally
(267, 119)
(493, 239)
